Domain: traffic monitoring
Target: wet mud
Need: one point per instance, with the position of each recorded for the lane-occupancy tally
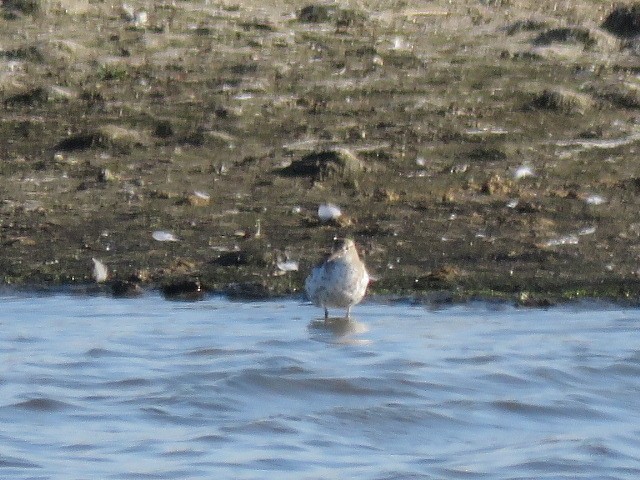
(475, 148)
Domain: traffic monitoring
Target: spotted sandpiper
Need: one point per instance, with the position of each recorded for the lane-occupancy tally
(340, 281)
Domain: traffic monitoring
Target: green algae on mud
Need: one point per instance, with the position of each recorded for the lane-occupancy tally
(414, 118)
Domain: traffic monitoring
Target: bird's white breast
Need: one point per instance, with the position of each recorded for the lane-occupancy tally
(337, 284)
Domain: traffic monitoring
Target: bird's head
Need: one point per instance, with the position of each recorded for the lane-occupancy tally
(343, 246)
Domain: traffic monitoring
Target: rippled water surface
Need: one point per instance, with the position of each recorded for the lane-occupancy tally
(93, 387)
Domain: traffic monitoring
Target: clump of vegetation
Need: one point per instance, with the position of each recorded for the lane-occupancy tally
(563, 100)
(623, 20)
(325, 164)
(24, 7)
(112, 71)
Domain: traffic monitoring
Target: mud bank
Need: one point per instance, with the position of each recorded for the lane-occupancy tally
(480, 148)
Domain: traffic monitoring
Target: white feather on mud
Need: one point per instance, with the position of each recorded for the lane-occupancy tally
(328, 212)
(595, 200)
(100, 271)
(523, 171)
(287, 265)
(164, 236)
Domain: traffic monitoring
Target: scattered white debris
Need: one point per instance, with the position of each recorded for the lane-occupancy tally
(63, 93)
(32, 206)
(571, 239)
(163, 236)
(486, 131)
(421, 162)
(128, 12)
(459, 168)
(138, 18)
(603, 144)
(565, 240)
(595, 200)
(14, 65)
(202, 195)
(296, 209)
(513, 203)
(398, 43)
(523, 171)
(328, 212)
(587, 231)
(287, 265)
(100, 272)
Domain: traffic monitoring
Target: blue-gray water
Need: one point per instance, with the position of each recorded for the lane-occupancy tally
(98, 388)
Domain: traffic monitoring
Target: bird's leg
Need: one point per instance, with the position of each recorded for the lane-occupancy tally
(326, 314)
(348, 312)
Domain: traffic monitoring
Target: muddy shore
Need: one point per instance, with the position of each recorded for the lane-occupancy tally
(476, 148)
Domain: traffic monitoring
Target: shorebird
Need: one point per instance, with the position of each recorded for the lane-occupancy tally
(340, 281)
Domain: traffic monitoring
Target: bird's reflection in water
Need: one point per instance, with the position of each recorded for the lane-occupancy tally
(338, 330)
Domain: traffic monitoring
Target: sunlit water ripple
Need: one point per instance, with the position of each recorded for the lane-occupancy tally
(93, 387)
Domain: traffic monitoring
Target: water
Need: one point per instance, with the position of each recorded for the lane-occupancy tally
(92, 387)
